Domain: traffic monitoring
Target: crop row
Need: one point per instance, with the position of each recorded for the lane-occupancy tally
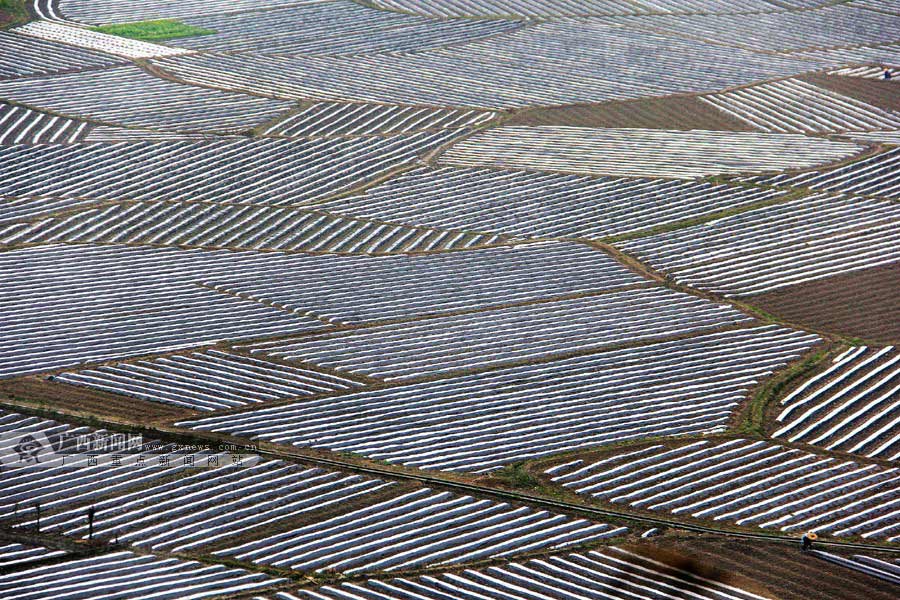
(493, 338)
(129, 576)
(273, 172)
(876, 175)
(338, 27)
(485, 421)
(838, 26)
(25, 126)
(208, 380)
(129, 96)
(333, 119)
(614, 574)
(94, 40)
(536, 204)
(17, 554)
(212, 505)
(777, 246)
(642, 152)
(853, 406)
(418, 529)
(470, 75)
(23, 56)
(748, 483)
(794, 106)
(240, 227)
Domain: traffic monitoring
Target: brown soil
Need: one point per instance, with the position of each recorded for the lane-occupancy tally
(877, 92)
(38, 392)
(769, 569)
(857, 305)
(674, 112)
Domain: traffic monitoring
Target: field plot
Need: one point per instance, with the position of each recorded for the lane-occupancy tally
(71, 304)
(208, 380)
(880, 93)
(580, 8)
(53, 484)
(769, 248)
(866, 72)
(824, 28)
(272, 172)
(882, 569)
(25, 126)
(861, 304)
(853, 406)
(129, 96)
(751, 483)
(794, 106)
(129, 576)
(350, 290)
(518, 334)
(478, 423)
(334, 119)
(241, 227)
(470, 75)
(616, 574)
(17, 554)
(213, 504)
(670, 112)
(535, 204)
(883, 5)
(418, 529)
(642, 152)
(23, 56)
(94, 40)
(98, 12)
(876, 175)
(339, 27)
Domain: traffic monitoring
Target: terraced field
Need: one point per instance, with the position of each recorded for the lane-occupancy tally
(518, 334)
(479, 423)
(542, 204)
(853, 406)
(208, 380)
(770, 248)
(18, 554)
(746, 482)
(129, 96)
(236, 226)
(264, 171)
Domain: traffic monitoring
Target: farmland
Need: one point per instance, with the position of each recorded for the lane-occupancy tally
(449, 299)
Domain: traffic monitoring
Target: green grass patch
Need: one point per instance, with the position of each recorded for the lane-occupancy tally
(151, 31)
(12, 13)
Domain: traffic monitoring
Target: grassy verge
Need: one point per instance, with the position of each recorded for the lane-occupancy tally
(12, 13)
(151, 31)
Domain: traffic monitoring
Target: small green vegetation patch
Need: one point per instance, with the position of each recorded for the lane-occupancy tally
(151, 31)
(12, 12)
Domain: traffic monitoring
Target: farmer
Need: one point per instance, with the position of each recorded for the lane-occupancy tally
(806, 541)
(887, 73)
